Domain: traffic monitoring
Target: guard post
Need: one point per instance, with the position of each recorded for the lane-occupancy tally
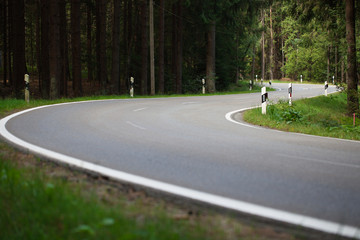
(203, 86)
(131, 87)
(290, 93)
(27, 88)
(326, 87)
(264, 97)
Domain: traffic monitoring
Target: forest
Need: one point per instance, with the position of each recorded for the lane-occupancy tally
(90, 47)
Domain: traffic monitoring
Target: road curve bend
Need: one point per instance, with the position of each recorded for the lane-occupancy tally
(186, 146)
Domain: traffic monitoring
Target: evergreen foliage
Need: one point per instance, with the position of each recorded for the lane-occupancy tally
(300, 38)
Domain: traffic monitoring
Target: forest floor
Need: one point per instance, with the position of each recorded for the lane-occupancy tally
(90, 88)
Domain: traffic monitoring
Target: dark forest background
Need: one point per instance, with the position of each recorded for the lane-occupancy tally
(86, 47)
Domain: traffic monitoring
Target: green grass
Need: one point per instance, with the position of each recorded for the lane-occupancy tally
(323, 116)
(34, 206)
(40, 200)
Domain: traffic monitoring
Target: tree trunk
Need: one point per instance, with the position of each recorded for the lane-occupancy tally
(271, 57)
(161, 86)
(38, 38)
(144, 47)
(63, 49)
(54, 49)
(152, 58)
(128, 39)
(5, 42)
(89, 46)
(44, 64)
(66, 63)
(101, 44)
(262, 46)
(19, 47)
(179, 53)
(10, 43)
(237, 69)
(76, 47)
(253, 65)
(115, 70)
(328, 63)
(336, 64)
(277, 47)
(282, 57)
(174, 34)
(210, 59)
(352, 81)
(342, 70)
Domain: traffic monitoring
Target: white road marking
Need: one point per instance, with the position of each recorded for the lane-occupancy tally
(185, 103)
(320, 161)
(139, 109)
(135, 125)
(230, 119)
(249, 208)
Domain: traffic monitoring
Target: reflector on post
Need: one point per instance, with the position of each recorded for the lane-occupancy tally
(264, 97)
(290, 93)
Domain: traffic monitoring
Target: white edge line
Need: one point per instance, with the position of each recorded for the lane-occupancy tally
(139, 109)
(249, 208)
(135, 125)
(185, 103)
(228, 117)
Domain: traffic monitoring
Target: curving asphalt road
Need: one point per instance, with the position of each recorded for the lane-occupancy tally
(187, 144)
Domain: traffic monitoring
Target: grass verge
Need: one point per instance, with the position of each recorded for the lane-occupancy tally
(42, 200)
(35, 206)
(322, 116)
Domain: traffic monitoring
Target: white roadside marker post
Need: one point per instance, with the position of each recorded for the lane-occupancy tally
(300, 78)
(264, 97)
(256, 77)
(131, 87)
(326, 87)
(333, 79)
(203, 86)
(27, 88)
(250, 85)
(290, 93)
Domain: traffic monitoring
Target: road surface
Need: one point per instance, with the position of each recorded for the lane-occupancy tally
(192, 147)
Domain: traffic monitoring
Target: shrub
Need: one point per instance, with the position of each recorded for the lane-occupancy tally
(282, 112)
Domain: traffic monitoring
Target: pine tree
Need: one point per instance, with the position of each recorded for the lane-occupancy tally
(352, 84)
(19, 47)
(76, 46)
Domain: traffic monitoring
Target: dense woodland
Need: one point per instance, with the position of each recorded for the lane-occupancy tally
(76, 47)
